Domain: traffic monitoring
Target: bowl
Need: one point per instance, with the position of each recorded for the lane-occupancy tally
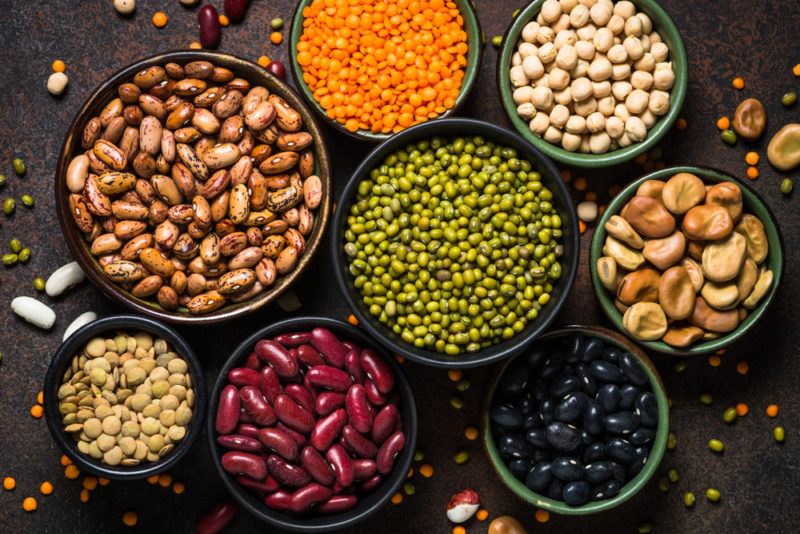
(474, 42)
(561, 201)
(633, 486)
(62, 359)
(368, 504)
(663, 24)
(72, 145)
(753, 204)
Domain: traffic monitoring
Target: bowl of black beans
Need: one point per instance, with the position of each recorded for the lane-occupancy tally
(578, 423)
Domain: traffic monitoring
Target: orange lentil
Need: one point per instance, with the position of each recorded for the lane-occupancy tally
(37, 410)
(426, 470)
(566, 175)
(772, 410)
(752, 172)
(352, 319)
(46, 488)
(796, 70)
(276, 38)
(482, 514)
(581, 226)
(103, 481)
(542, 516)
(641, 159)
(720, 352)
(399, 358)
(742, 367)
(64, 460)
(471, 433)
(58, 66)
(29, 504)
(681, 124)
(40, 397)
(9, 483)
(581, 184)
(714, 361)
(723, 123)
(84, 495)
(591, 196)
(71, 472)
(742, 409)
(164, 480)
(397, 498)
(130, 519)
(454, 375)
(160, 19)
(195, 45)
(178, 488)
(152, 479)
(264, 61)
(752, 158)
(738, 83)
(459, 530)
(223, 20)
(89, 482)
(410, 472)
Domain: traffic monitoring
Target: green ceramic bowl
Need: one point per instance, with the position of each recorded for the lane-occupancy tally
(662, 23)
(752, 204)
(474, 42)
(628, 490)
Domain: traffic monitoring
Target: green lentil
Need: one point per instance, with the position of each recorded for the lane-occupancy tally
(644, 528)
(462, 385)
(716, 445)
(276, 24)
(786, 186)
(688, 499)
(9, 206)
(779, 433)
(681, 365)
(24, 255)
(409, 488)
(712, 495)
(672, 441)
(3, 180)
(10, 259)
(673, 475)
(39, 283)
(15, 245)
(456, 402)
(663, 484)
(461, 457)
(418, 456)
(729, 415)
(706, 399)
(729, 137)
(497, 40)
(19, 166)
(515, 13)
(789, 99)
(27, 201)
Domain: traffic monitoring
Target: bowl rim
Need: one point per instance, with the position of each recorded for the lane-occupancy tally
(750, 198)
(632, 487)
(61, 359)
(551, 178)
(666, 27)
(380, 496)
(78, 246)
(475, 39)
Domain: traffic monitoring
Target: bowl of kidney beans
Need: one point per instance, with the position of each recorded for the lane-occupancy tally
(578, 423)
(310, 428)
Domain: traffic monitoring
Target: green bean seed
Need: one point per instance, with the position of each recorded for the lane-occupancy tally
(418, 456)
(409, 488)
(276, 24)
(462, 385)
(515, 13)
(729, 137)
(19, 166)
(681, 365)
(497, 40)
(3, 180)
(9, 206)
(673, 475)
(786, 186)
(27, 201)
(24, 255)
(716, 445)
(779, 434)
(706, 399)
(688, 499)
(39, 283)
(663, 484)
(729, 415)
(672, 441)
(644, 528)
(10, 259)
(456, 402)
(15, 245)
(789, 99)
(461, 457)
(712, 495)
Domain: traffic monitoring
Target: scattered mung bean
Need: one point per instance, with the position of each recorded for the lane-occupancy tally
(9, 205)
(15, 245)
(729, 415)
(24, 255)
(729, 137)
(716, 445)
(19, 166)
(779, 434)
(10, 259)
(688, 499)
(789, 99)
(38, 283)
(712, 495)
(786, 186)
(27, 201)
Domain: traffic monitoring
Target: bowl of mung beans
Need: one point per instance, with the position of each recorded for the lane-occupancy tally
(455, 243)
(373, 68)
(125, 397)
(592, 84)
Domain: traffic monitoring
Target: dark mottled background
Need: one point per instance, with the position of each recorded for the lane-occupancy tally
(757, 477)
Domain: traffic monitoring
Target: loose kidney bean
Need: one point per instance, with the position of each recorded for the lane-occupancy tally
(279, 441)
(328, 429)
(329, 377)
(308, 356)
(294, 339)
(316, 466)
(246, 429)
(293, 415)
(279, 500)
(384, 423)
(243, 376)
(300, 395)
(308, 497)
(227, 410)
(389, 451)
(269, 384)
(352, 364)
(371, 484)
(286, 473)
(358, 444)
(218, 518)
(329, 346)
(235, 9)
(268, 485)
(364, 468)
(256, 406)
(301, 439)
(327, 401)
(252, 361)
(342, 466)
(377, 370)
(338, 504)
(210, 30)
(373, 395)
(238, 442)
(278, 357)
(359, 410)
(244, 463)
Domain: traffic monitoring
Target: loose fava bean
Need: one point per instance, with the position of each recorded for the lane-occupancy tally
(682, 336)
(683, 192)
(762, 286)
(648, 217)
(750, 119)
(645, 321)
(721, 296)
(506, 524)
(783, 150)
(639, 286)
(676, 293)
(623, 231)
(607, 272)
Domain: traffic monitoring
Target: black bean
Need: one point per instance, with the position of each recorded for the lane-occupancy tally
(546, 409)
(594, 452)
(592, 350)
(555, 490)
(553, 367)
(514, 379)
(532, 421)
(537, 437)
(569, 409)
(606, 491)
(539, 390)
(576, 493)
(642, 453)
(519, 468)
(622, 422)
(526, 404)
(565, 384)
(618, 473)
(620, 450)
(598, 472)
(609, 397)
(562, 437)
(588, 383)
(606, 371)
(514, 446)
(506, 416)
(574, 346)
(541, 455)
(629, 395)
(535, 358)
(611, 354)
(647, 406)
(567, 469)
(642, 436)
(540, 477)
(593, 418)
(586, 438)
(632, 369)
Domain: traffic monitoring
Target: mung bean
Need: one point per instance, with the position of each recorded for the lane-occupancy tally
(716, 445)
(729, 137)
(19, 166)
(3, 180)
(15, 245)
(27, 201)
(789, 99)
(779, 433)
(24, 255)
(706, 399)
(786, 186)
(729, 415)
(673, 475)
(39, 283)
(461, 457)
(9, 206)
(10, 259)
(712, 495)
(688, 499)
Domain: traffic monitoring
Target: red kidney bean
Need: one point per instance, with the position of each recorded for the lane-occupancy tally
(277, 68)
(359, 410)
(235, 9)
(210, 30)
(227, 410)
(371, 484)
(338, 504)
(301, 439)
(278, 357)
(328, 429)
(269, 384)
(377, 370)
(256, 406)
(279, 441)
(293, 415)
(327, 401)
(244, 418)
(279, 500)
(308, 497)
(252, 362)
(384, 423)
(300, 395)
(350, 345)
(238, 442)
(218, 518)
(364, 469)
(308, 356)
(358, 444)
(373, 395)
(286, 473)
(325, 376)
(294, 339)
(244, 463)
(389, 451)
(329, 346)
(310, 387)
(243, 376)
(342, 466)
(268, 485)
(246, 429)
(352, 364)
(316, 466)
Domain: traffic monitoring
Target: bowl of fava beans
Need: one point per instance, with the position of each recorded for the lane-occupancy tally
(125, 397)
(686, 260)
(455, 243)
(193, 187)
(592, 84)
(373, 68)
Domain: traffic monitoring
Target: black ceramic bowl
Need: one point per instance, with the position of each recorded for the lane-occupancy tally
(367, 504)
(62, 359)
(561, 201)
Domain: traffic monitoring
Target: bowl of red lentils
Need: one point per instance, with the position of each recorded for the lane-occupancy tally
(373, 68)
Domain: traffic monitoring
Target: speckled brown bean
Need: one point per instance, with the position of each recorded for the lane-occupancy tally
(233, 243)
(122, 271)
(295, 142)
(147, 286)
(205, 303)
(96, 201)
(306, 165)
(152, 106)
(91, 132)
(287, 118)
(167, 298)
(239, 204)
(266, 273)
(246, 258)
(228, 104)
(286, 260)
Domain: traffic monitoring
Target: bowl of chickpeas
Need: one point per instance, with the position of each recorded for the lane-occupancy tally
(592, 83)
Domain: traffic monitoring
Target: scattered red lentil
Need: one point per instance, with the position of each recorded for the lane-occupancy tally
(164, 480)
(723, 123)
(796, 70)
(471, 433)
(590, 196)
(738, 83)
(352, 319)
(581, 226)
(223, 20)
(426, 470)
(40, 397)
(399, 358)
(772, 410)
(454, 375)
(264, 61)
(46, 488)
(64, 460)
(742, 367)
(90, 482)
(681, 124)
(742, 409)
(566, 175)
(752, 158)
(397, 498)
(459, 530)
(152, 479)
(178, 488)
(160, 19)
(752, 172)
(84, 495)
(410, 472)
(720, 352)
(37, 410)
(71, 472)
(542, 516)
(482, 514)
(641, 159)
(103, 481)
(714, 361)
(29, 504)
(58, 66)
(276, 38)
(9, 483)
(581, 184)
(130, 518)
(195, 45)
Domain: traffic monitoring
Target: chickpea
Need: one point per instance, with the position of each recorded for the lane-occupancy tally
(579, 16)
(575, 124)
(545, 35)
(603, 40)
(637, 101)
(553, 135)
(646, 43)
(600, 69)
(558, 79)
(581, 69)
(655, 37)
(581, 89)
(596, 122)
(648, 118)
(599, 143)
(559, 115)
(518, 78)
(620, 72)
(586, 107)
(635, 129)
(625, 9)
(663, 79)
(659, 50)
(565, 37)
(624, 141)
(647, 24)
(571, 142)
(621, 89)
(516, 59)
(529, 32)
(563, 97)
(586, 33)
(606, 105)
(540, 123)
(601, 89)
(584, 148)
(633, 26)
(542, 97)
(541, 82)
(540, 19)
(526, 111)
(527, 49)
(547, 53)
(523, 94)
(532, 67)
(642, 80)
(646, 63)
(551, 10)
(587, 3)
(659, 103)
(567, 5)
(634, 47)
(616, 24)
(567, 57)
(617, 54)
(621, 111)
(585, 50)
(615, 127)
(600, 13)
(561, 24)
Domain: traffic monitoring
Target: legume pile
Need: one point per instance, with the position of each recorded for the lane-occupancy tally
(454, 244)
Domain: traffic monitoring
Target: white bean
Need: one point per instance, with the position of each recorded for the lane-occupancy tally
(80, 321)
(64, 278)
(57, 83)
(635, 129)
(33, 311)
(532, 67)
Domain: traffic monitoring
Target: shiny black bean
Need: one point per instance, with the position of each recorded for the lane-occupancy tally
(611, 354)
(535, 358)
(574, 347)
(519, 468)
(526, 404)
(567, 469)
(647, 406)
(592, 350)
(562, 437)
(514, 446)
(632, 369)
(606, 371)
(506, 416)
(539, 390)
(514, 379)
(570, 408)
(622, 422)
(546, 409)
(565, 384)
(555, 490)
(532, 421)
(609, 397)
(588, 383)
(576, 493)
(540, 477)
(586, 438)
(642, 453)
(606, 491)
(629, 395)
(594, 452)
(537, 437)
(598, 472)
(618, 473)
(642, 436)
(593, 418)
(553, 367)
(620, 450)
(541, 455)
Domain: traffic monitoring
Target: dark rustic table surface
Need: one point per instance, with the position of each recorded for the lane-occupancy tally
(757, 477)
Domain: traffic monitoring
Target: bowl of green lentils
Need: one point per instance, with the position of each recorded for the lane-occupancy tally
(455, 243)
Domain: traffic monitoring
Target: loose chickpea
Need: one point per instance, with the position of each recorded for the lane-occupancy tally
(625, 9)
(576, 125)
(655, 37)
(581, 69)
(642, 80)
(584, 148)
(585, 50)
(659, 103)
(596, 122)
(547, 53)
(600, 13)
(563, 97)
(600, 69)
(646, 63)
(663, 79)
(571, 142)
(615, 127)
(542, 97)
(633, 26)
(527, 49)
(648, 118)
(567, 57)
(579, 16)
(616, 24)
(586, 33)
(559, 115)
(523, 94)
(659, 50)
(561, 24)
(540, 123)
(624, 141)
(621, 111)
(553, 135)
(517, 75)
(617, 54)
(647, 23)
(603, 40)
(601, 89)
(620, 72)
(532, 67)
(646, 43)
(529, 32)
(567, 5)
(565, 37)
(635, 129)
(606, 105)
(621, 89)
(599, 143)
(558, 79)
(586, 107)
(545, 35)
(637, 101)
(551, 10)
(633, 45)
(581, 89)
(516, 59)
(526, 111)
